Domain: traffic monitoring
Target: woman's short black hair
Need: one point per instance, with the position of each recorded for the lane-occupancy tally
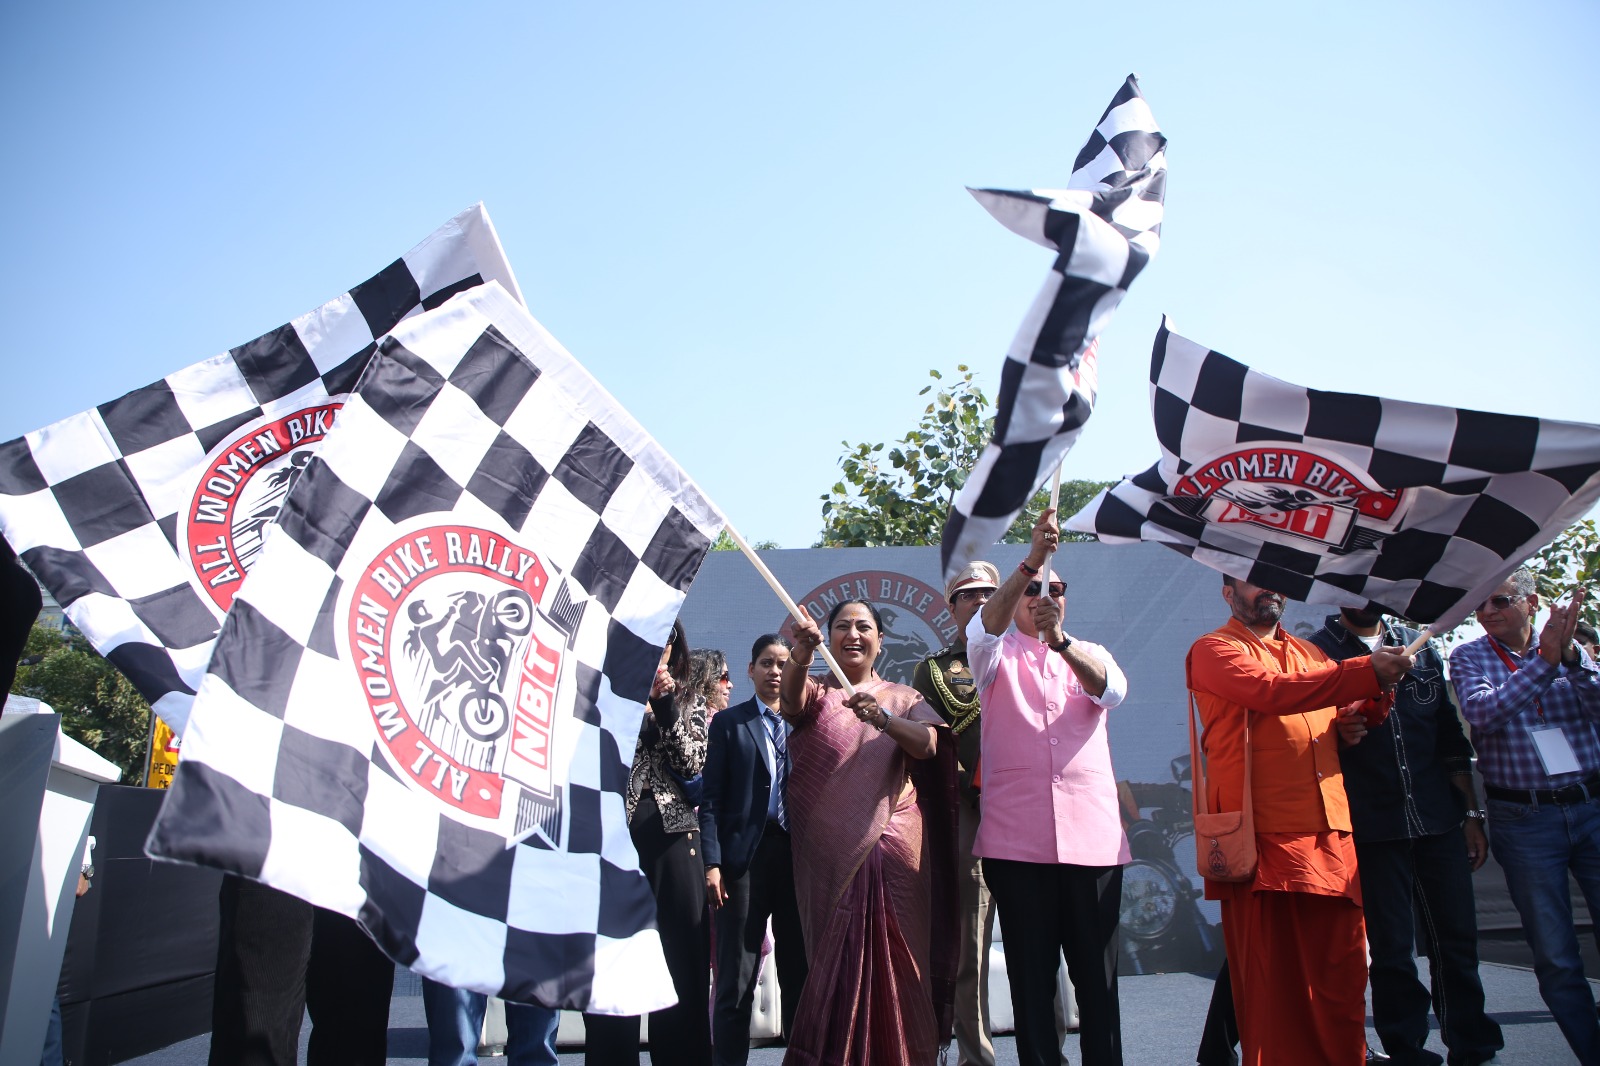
(767, 640)
(868, 604)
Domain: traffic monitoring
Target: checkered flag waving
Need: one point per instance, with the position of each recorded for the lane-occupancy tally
(424, 701)
(1330, 497)
(142, 515)
(1106, 226)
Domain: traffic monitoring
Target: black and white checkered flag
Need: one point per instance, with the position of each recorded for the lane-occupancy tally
(1106, 226)
(142, 515)
(1331, 497)
(445, 649)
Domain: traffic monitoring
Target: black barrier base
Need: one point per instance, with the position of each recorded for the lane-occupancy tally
(142, 949)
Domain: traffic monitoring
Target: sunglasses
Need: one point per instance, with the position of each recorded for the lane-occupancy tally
(1496, 603)
(968, 595)
(1058, 589)
(724, 677)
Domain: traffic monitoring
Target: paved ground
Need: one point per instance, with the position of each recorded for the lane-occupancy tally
(1161, 1019)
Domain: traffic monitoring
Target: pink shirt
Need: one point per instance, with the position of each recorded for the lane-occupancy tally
(1049, 793)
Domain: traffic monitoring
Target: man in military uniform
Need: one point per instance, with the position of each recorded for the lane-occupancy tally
(946, 682)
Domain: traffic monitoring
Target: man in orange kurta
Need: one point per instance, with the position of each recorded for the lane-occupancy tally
(1295, 937)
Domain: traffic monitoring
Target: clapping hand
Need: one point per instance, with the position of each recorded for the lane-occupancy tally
(1555, 639)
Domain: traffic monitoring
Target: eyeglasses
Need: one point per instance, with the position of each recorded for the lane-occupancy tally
(1496, 603)
(1058, 589)
(724, 677)
(968, 595)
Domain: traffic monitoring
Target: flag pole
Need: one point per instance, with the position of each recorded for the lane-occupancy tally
(792, 607)
(1416, 645)
(1055, 502)
(149, 750)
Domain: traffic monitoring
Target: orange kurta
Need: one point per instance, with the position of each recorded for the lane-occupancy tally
(1296, 956)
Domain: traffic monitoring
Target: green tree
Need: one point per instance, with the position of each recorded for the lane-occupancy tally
(724, 543)
(900, 496)
(1572, 559)
(98, 706)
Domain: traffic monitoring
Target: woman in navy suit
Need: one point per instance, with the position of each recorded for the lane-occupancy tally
(749, 871)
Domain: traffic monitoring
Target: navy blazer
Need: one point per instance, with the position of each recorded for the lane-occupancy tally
(733, 807)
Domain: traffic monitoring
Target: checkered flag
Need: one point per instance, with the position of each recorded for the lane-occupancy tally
(1106, 226)
(142, 515)
(423, 704)
(1330, 497)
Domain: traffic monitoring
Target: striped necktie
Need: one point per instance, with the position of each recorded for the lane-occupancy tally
(780, 761)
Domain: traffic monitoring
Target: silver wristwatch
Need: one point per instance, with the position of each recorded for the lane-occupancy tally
(887, 717)
(1478, 816)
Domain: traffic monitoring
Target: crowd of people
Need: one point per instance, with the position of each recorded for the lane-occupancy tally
(879, 829)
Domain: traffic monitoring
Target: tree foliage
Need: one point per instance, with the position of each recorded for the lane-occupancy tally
(899, 493)
(1572, 559)
(724, 543)
(98, 706)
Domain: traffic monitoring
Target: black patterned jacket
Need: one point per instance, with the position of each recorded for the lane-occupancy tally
(668, 739)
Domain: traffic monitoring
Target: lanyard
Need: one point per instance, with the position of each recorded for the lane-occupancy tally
(1512, 666)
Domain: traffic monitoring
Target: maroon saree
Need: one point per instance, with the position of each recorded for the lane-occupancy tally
(874, 848)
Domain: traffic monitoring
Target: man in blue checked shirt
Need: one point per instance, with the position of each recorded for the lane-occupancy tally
(1533, 703)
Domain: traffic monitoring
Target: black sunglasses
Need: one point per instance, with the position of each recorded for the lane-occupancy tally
(1058, 589)
(1497, 603)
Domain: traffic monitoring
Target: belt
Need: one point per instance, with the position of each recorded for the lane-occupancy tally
(1566, 795)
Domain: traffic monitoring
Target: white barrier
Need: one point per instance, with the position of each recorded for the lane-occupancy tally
(48, 783)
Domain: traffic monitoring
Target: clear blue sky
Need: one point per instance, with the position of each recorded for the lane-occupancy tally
(748, 220)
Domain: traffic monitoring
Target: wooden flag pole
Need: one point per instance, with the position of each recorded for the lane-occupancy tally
(793, 608)
(1055, 502)
(1416, 645)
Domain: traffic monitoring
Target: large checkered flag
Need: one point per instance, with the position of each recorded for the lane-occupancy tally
(1106, 226)
(1330, 497)
(142, 515)
(445, 650)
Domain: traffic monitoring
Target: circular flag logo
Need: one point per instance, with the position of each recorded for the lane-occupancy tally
(458, 636)
(242, 486)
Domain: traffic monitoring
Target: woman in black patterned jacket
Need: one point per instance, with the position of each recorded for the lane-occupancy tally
(666, 833)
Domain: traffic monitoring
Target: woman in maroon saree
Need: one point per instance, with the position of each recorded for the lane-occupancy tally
(873, 842)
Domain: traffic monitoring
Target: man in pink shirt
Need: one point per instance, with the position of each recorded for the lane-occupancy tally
(1051, 836)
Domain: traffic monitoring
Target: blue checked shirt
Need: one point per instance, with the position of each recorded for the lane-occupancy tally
(1499, 705)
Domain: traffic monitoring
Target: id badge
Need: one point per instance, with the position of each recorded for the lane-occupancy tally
(1554, 751)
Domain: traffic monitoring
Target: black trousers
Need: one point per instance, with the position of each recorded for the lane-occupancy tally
(1221, 1034)
(765, 890)
(1420, 892)
(278, 958)
(675, 868)
(1048, 910)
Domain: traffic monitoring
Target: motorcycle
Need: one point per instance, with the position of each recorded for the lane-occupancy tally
(1162, 927)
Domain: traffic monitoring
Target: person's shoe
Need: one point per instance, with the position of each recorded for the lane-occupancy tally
(1374, 1055)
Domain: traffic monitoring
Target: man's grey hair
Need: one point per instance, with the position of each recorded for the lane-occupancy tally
(1522, 582)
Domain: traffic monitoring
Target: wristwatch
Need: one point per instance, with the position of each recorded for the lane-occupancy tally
(887, 717)
(1061, 648)
(1478, 816)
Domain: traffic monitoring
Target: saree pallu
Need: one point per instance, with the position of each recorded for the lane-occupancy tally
(874, 845)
